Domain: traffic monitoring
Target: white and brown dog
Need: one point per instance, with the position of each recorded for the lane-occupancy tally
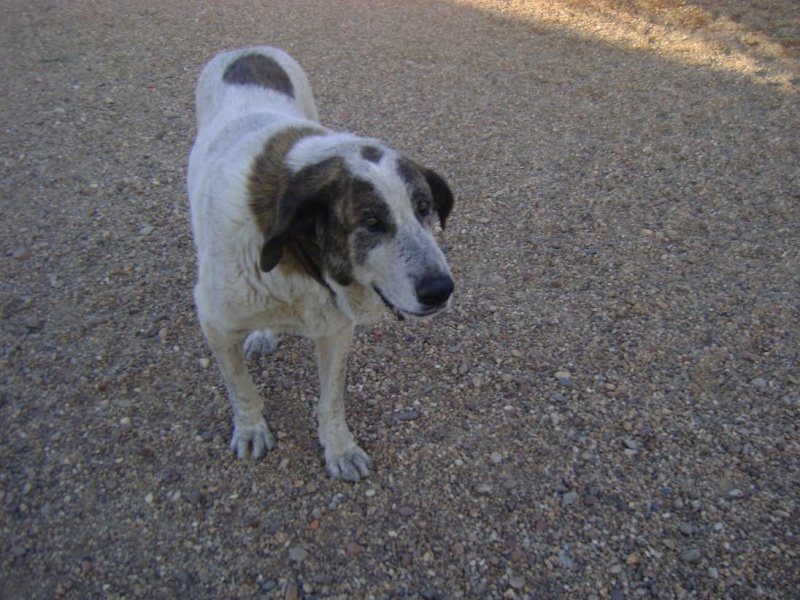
(302, 230)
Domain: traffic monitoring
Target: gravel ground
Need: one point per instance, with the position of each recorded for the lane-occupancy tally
(610, 410)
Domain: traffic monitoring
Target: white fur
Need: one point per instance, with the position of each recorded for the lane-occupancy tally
(236, 300)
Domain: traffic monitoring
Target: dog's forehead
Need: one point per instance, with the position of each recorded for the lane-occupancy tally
(394, 177)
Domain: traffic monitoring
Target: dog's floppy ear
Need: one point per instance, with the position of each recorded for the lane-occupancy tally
(442, 196)
(298, 218)
(301, 211)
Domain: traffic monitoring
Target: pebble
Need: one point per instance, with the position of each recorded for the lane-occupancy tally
(352, 549)
(496, 458)
(759, 383)
(406, 511)
(691, 555)
(483, 489)
(269, 585)
(563, 378)
(569, 498)
(21, 253)
(565, 559)
(146, 230)
(686, 528)
(516, 581)
(171, 476)
(297, 554)
(204, 363)
(408, 415)
(631, 444)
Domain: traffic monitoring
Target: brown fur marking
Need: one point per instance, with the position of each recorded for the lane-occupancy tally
(269, 175)
(257, 69)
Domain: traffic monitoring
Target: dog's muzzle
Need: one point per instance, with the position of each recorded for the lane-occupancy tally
(433, 294)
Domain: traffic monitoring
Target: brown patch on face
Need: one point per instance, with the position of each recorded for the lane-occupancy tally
(372, 153)
(297, 212)
(260, 70)
(370, 219)
(269, 176)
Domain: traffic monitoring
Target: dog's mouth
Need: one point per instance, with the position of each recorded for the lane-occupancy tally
(401, 314)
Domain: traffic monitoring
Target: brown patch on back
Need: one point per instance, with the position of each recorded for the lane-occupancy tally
(260, 70)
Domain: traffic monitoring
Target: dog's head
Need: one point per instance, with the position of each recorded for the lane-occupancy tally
(364, 214)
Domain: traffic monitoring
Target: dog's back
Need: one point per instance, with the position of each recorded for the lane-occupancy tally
(262, 78)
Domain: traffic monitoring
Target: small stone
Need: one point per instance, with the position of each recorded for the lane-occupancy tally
(292, 592)
(691, 555)
(269, 585)
(686, 528)
(496, 458)
(617, 594)
(408, 415)
(565, 559)
(563, 378)
(759, 383)
(21, 253)
(171, 476)
(632, 559)
(569, 498)
(297, 554)
(204, 363)
(406, 511)
(146, 230)
(125, 422)
(483, 489)
(352, 549)
(148, 498)
(516, 581)
(631, 444)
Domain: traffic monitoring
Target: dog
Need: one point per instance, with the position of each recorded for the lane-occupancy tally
(302, 230)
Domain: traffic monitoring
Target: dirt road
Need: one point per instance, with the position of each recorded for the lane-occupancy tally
(610, 410)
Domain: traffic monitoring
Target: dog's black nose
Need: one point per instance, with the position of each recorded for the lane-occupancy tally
(434, 290)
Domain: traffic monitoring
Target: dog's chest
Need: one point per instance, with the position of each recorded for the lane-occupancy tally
(294, 303)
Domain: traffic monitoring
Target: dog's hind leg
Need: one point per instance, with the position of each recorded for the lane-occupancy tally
(251, 436)
(260, 343)
(343, 458)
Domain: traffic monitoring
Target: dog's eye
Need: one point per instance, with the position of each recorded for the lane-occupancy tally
(373, 224)
(424, 207)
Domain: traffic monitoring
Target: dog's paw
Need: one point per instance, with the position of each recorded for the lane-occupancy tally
(260, 343)
(252, 440)
(351, 465)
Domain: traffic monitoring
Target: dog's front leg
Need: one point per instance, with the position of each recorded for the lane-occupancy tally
(251, 436)
(343, 458)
